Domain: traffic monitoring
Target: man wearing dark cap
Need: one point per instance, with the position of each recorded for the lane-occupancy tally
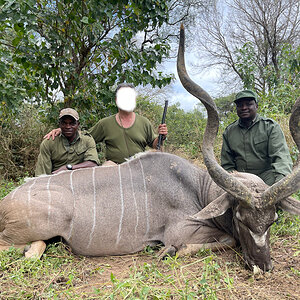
(254, 144)
(70, 150)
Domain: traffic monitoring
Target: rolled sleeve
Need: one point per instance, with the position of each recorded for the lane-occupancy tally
(281, 161)
(97, 132)
(227, 159)
(151, 135)
(91, 151)
(44, 163)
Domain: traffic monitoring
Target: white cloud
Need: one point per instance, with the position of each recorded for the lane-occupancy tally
(208, 80)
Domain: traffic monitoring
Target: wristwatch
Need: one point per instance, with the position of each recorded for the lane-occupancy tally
(69, 167)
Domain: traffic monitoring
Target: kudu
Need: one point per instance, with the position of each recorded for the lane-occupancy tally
(155, 197)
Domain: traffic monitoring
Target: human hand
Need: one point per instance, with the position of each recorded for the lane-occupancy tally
(62, 168)
(162, 129)
(53, 133)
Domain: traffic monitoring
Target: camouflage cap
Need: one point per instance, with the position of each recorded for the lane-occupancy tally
(246, 94)
(69, 112)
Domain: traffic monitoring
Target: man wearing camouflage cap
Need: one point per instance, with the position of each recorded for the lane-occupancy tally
(254, 144)
(70, 150)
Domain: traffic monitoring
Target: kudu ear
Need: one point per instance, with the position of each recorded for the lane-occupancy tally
(216, 208)
(290, 205)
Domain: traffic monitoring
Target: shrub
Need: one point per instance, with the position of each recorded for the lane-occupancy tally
(20, 138)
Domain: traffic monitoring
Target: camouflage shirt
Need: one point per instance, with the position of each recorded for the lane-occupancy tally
(260, 149)
(59, 152)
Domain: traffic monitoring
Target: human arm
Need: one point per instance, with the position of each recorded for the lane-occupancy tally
(227, 158)
(162, 129)
(279, 154)
(97, 131)
(44, 162)
(53, 133)
(85, 164)
(87, 150)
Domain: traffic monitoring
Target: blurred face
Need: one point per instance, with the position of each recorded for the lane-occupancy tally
(69, 127)
(126, 99)
(246, 108)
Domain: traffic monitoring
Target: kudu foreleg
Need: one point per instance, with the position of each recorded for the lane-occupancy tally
(191, 249)
(36, 250)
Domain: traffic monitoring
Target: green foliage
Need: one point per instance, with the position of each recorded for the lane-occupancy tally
(281, 79)
(282, 96)
(286, 225)
(7, 186)
(80, 48)
(22, 133)
(225, 106)
(23, 278)
(185, 128)
(20, 138)
(166, 285)
(246, 65)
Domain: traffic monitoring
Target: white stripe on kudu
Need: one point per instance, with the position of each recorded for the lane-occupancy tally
(13, 193)
(49, 200)
(94, 208)
(122, 206)
(72, 190)
(135, 203)
(146, 198)
(29, 200)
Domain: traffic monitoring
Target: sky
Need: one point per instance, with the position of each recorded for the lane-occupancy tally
(208, 80)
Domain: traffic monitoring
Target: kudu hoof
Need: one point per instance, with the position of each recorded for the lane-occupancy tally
(165, 252)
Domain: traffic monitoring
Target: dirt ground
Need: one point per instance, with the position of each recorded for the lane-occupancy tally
(282, 283)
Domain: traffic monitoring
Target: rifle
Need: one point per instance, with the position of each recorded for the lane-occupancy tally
(160, 137)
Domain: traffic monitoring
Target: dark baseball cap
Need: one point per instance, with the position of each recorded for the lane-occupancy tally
(69, 112)
(246, 94)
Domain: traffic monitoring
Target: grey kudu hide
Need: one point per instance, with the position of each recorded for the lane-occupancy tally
(155, 197)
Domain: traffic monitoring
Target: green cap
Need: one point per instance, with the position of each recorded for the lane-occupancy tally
(246, 94)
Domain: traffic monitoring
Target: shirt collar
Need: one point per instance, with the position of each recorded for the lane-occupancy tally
(255, 120)
(66, 141)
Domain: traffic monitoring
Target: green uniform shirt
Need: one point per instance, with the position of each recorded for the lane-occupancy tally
(59, 152)
(260, 149)
(122, 143)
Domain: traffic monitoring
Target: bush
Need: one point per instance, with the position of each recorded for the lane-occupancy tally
(20, 138)
(185, 128)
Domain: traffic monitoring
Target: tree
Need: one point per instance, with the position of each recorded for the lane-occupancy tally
(82, 48)
(248, 37)
(77, 50)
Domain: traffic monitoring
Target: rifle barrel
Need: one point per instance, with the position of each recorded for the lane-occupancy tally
(160, 137)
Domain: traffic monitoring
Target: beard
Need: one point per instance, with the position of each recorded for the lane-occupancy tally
(126, 99)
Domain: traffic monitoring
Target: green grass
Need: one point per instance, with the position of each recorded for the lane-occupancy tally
(58, 275)
(61, 275)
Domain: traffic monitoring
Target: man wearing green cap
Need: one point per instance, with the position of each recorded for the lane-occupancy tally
(70, 150)
(254, 144)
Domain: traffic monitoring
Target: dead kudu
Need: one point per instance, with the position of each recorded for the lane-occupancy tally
(155, 197)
